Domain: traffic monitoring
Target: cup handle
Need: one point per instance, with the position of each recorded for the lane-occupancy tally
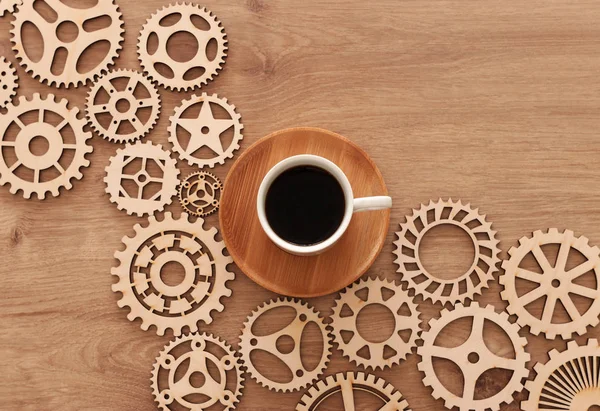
(372, 203)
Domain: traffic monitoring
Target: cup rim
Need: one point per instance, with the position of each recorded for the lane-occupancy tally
(295, 161)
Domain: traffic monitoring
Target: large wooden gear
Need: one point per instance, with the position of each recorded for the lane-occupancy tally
(250, 342)
(346, 385)
(9, 6)
(75, 48)
(118, 173)
(205, 131)
(181, 78)
(569, 381)
(8, 81)
(555, 284)
(172, 306)
(57, 139)
(474, 358)
(195, 355)
(98, 108)
(433, 288)
(345, 327)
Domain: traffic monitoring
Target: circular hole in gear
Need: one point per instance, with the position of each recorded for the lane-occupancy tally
(375, 331)
(447, 251)
(205, 130)
(285, 344)
(67, 32)
(182, 47)
(39, 145)
(197, 379)
(473, 358)
(123, 105)
(172, 273)
(555, 283)
(595, 407)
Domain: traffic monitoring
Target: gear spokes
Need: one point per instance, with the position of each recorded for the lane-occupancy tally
(556, 284)
(474, 358)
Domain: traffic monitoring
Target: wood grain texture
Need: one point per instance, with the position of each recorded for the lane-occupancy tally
(259, 258)
(492, 102)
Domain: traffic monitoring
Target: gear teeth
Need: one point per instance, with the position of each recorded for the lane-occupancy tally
(515, 306)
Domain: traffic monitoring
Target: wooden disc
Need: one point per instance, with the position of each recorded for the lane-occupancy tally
(265, 263)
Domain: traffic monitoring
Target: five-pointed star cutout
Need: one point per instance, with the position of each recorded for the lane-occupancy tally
(204, 122)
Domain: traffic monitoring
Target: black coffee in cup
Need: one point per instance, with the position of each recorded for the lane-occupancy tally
(305, 205)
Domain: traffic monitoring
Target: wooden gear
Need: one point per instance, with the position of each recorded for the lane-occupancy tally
(205, 130)
(180, 80)
(199, 193)
(97, 108)
(116, 176)
(555, 284)
(70, 76)
(569, 381)
(8, 82)
(346, 385)
(55, 136)
(462, 357)
(193, 352)
(9, 6)
(474, 280)
(185, 304)
(376, 294)
(250, 342)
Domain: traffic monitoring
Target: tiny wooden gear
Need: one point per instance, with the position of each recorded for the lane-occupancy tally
(346, 385)
(205, 130)
(182, 360)
(9, 6)
(157, 60)
(345, 327)
(104, 100)
(141, 156)
(555, 284)
(42, 69)
(474, 358)
(57, 139)
(569, 381)
(250, 342)
(8, 82)
(474, 280)
(199, 193)
(172, 306)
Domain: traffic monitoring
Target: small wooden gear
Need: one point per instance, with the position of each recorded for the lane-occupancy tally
(474, 280)
(187, 357)
(250, 342)
(555, 284)
(346, 385)
(474, 358)
(172, 306)
(78, 18)
(205, 131)
(132, 164)
(9, 6)
(198, 70)
(200, 193)
(48, 172)
(8, 82)
(109, 108)
(345, 326)
(569, 381)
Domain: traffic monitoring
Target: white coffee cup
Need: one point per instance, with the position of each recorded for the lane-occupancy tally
(353, 205)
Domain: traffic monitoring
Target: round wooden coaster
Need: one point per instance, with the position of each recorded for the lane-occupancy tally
(262, 260)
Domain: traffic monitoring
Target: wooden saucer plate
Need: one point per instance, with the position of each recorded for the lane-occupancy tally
(265, 263)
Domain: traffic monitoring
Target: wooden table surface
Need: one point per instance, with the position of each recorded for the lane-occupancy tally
(495, 103)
